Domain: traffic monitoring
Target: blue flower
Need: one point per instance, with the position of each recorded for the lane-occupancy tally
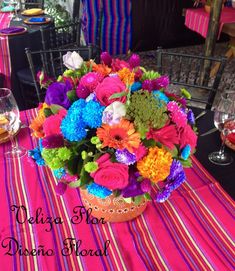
(36, 155)
(98, 190)
(136, 86)
(186, 152)
(92, 114)
(160, 95)
(59, 173)
(72, 126)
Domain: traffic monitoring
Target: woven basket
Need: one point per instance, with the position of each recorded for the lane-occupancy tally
(112, 209)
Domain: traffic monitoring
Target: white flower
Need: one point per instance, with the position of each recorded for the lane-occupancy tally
(113, 113)
(72, 60)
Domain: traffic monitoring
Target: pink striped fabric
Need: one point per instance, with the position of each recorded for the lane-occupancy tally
(198, 19)
(193, 230)
(5, 62)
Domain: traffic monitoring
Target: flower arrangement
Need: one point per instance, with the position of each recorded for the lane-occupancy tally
(114, 129)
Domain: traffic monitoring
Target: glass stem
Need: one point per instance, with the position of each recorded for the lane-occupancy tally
(13, 144)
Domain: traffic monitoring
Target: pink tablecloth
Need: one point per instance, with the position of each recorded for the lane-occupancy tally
(5, 63)
(198, 20)
(193, 230)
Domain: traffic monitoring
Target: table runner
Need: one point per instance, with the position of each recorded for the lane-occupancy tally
(5, 61)
(198, 19)
(193, 230)
(116, 24)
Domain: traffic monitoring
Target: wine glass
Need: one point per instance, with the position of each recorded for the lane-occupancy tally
(16, 17)
(224, 113)
(10, 122)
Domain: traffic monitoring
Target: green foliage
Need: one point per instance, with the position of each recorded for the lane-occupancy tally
(154, 117)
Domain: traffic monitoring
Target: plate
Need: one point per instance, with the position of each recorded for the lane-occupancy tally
(4, 137)
(32, 12)
(48, 20)
(14, 34)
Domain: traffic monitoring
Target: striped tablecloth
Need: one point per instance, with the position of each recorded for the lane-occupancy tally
(193, 230)
(5, 62)
(198, 19)
(116, 24)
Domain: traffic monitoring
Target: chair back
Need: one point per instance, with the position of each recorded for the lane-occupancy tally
(66, 36)
(51, 62)
(200, 75)
(27, 4)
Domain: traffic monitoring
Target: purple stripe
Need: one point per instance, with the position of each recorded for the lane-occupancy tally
(206, 227)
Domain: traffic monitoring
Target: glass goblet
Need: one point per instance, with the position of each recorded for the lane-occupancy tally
(224, 113)
(10, 122)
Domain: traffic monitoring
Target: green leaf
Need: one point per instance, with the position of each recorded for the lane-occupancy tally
(138, 199)
(149, 143)
(128, 200)
(147, 196)
(186, 163)
(116, 193)
(55, 108)
(75, 184)
(118, 95)
(84, 177)
(72, 165)
(72, 96)
(47, 112)
(174, 152)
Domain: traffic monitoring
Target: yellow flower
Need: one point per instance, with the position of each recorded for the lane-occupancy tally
(155, 165)
(126, 76)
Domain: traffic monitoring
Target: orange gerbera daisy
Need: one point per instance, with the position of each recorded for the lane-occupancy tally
(119, 136)
(126, 76)
(37, 124)
(101, 68)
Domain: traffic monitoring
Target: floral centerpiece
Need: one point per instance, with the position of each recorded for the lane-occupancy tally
(114, 130)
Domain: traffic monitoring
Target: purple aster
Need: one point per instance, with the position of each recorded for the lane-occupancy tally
(147, 85)
(125, 157)
(161, 82)
(134, 61)
(53, 141)
(57, 94)
(191, 118)
(163, 195)
(175, 169)
(106, 58)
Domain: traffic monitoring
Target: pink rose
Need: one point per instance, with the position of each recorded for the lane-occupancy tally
(107, 88)
(118, 64)
(52, 123)
(111, 175)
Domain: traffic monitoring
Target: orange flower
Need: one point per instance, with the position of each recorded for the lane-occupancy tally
(101, 68)
(119, 136)
(155, 165)
(37, 124)
(126, 76)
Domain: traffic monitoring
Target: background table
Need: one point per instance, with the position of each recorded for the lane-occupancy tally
(193, 230)
(12, 52)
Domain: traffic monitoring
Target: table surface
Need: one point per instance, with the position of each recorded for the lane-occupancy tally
(197, 19)
(192, 230)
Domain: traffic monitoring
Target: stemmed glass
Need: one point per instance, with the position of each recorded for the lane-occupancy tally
(16, 17)
(224, 113)
(10, 122)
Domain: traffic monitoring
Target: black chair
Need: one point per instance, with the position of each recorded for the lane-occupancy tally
(27, 4)
(194, 73)
(51, 62)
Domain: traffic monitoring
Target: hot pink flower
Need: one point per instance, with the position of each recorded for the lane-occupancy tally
(167, 136)
(51, 124)
(107, 88)
(118, 64)
(111, 175)
(140, 152)
(187, 136)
